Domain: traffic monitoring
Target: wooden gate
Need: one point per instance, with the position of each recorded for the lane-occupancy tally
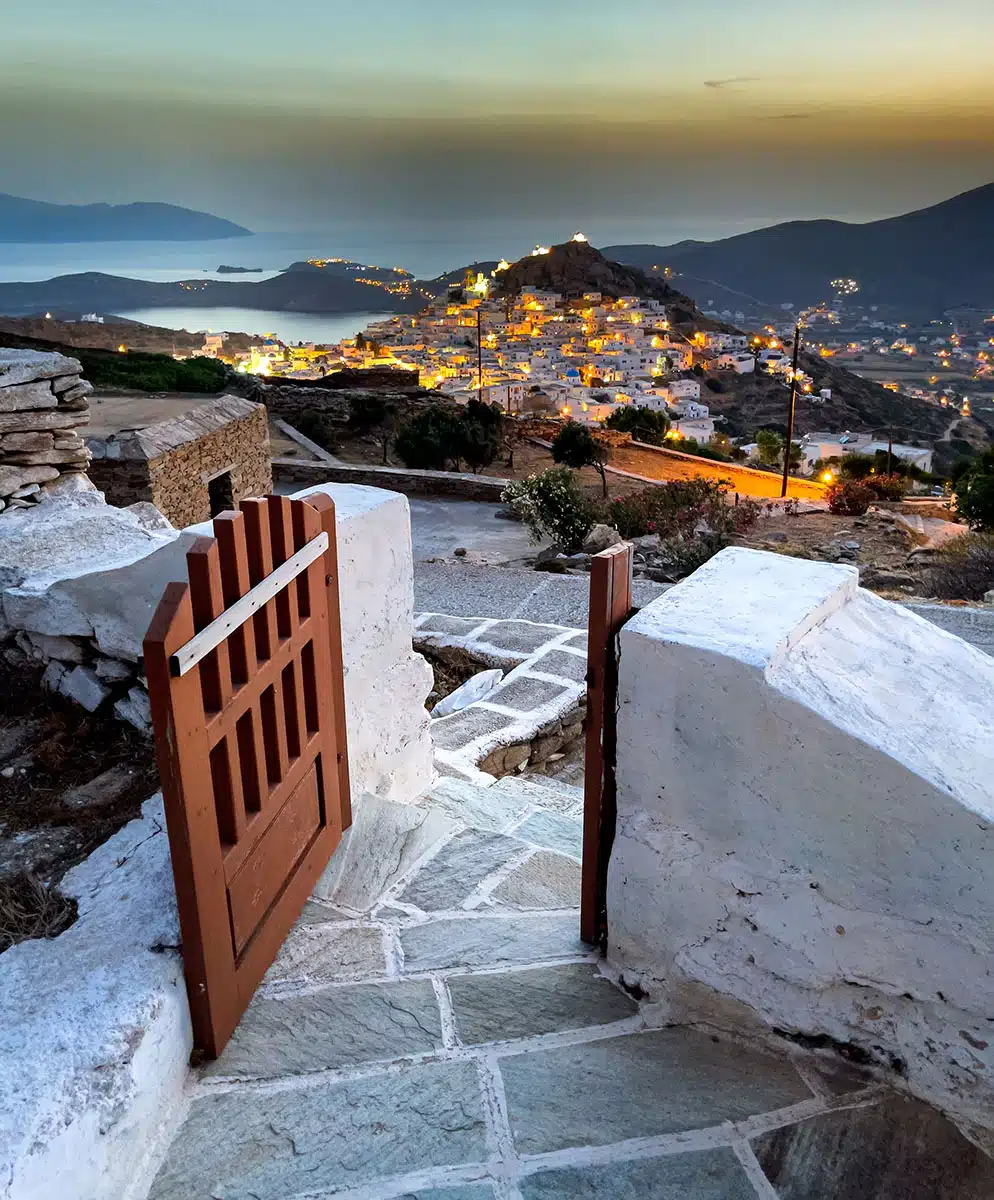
(244, 668)
(610, 607)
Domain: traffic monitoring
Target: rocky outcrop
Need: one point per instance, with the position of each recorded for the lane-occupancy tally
(43, 398)
(577, 267)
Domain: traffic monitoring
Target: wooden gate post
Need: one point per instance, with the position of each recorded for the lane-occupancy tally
(610, 607)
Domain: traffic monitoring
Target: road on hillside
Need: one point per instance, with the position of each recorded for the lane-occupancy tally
(666, 466)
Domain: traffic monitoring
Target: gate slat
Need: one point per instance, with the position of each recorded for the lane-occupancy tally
(229, 529)
(229, 800)
(204, 566)
(281, 532)
(273, 737)
(260, 564)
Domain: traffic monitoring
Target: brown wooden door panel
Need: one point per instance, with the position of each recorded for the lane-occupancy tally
(251, 743)
(274, 858)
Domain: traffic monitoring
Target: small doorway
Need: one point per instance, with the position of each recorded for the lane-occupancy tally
(220, 494)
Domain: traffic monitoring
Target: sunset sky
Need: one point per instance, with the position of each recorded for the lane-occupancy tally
(616, 116)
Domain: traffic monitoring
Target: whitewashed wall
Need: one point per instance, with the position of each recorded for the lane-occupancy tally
(806, 819)
(386, 683)
(80, 569)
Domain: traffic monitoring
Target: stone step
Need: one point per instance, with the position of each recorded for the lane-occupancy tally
(504, 803)
(543, 791)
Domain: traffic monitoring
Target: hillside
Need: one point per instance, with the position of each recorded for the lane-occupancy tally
(24, 220)
(577, 267)
(752, 402)
(304, 287)
(921, 263)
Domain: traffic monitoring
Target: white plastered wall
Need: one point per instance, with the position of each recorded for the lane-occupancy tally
(805, 816)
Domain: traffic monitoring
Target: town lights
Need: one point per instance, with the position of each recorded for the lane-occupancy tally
(827, 477)
(539, 250)
(579, 237)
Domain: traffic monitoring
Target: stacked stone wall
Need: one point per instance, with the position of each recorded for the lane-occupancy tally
(43, 398)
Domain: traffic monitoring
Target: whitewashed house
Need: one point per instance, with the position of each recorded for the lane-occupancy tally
(684, 389)
(737, 361)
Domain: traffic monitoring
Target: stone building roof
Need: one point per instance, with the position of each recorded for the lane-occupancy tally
(162, 437)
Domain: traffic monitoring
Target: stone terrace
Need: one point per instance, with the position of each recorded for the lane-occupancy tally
(434, 1029)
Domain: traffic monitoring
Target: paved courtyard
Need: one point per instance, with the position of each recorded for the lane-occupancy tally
(433, 1029)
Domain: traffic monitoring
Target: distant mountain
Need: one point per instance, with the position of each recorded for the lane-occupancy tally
(920, 263)
(37, 221)
(304, 287)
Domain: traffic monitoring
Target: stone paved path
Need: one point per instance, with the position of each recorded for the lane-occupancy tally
(434, 1030)
(511, 594)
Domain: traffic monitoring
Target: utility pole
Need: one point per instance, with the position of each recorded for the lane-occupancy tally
(790, 414)
(479, 352)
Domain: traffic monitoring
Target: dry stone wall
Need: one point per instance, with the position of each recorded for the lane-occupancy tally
(171, 464)
(43, 398)
(179, 478)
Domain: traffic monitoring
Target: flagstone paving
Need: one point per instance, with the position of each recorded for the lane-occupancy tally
(433, 1029)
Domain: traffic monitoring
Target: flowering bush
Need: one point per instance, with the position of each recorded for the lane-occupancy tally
(680, 509)
(552, 505)
(849, 499)
(886, 487)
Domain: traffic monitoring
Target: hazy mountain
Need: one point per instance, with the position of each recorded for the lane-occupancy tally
(335, 288)
(923, 262)
(37, 221)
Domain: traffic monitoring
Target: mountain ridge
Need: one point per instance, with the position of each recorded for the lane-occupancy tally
(24, 221)
(922, 262)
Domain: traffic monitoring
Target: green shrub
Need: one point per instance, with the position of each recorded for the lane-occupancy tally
(770, 447)
(319, 427)
(552, 505)
(694, 447)
(975, 493)
(857, 466)
(644, 424)
(575, 446)
(136, 371)
(443, 437)
(430, 440)
(849, 498)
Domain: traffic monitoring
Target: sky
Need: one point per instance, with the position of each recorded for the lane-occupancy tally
(628, 117)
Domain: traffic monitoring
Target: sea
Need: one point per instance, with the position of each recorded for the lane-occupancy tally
(426, 251)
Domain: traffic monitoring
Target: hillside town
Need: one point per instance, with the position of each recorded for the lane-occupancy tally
(539, 353)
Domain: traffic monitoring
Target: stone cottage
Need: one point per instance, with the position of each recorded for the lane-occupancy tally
(192, 465)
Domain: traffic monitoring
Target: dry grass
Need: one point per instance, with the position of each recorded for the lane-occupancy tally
(30, 909)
